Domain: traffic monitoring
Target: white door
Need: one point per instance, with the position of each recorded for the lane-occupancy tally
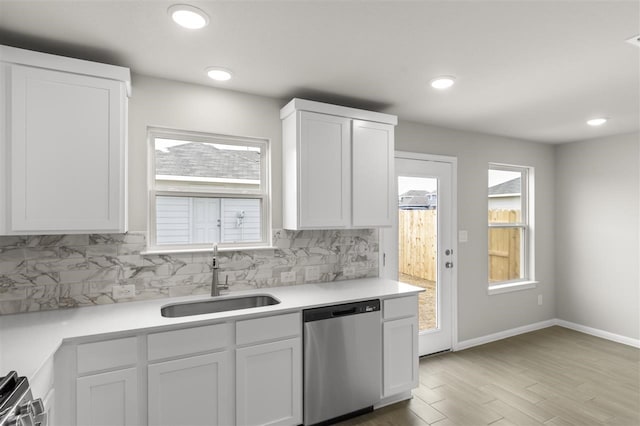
(191, 391)
(372, 181)
(108, 399)
(206, 216)
(419, 248)
(269, 384)
(325, 156)
(65, 126)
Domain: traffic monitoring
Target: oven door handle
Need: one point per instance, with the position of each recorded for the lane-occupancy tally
(7, 380)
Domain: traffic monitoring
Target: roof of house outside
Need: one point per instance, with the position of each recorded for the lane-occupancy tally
(415, 192)
(416, 198)
(509, 187)
(206, 160)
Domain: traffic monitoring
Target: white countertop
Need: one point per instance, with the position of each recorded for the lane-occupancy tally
(27, 341)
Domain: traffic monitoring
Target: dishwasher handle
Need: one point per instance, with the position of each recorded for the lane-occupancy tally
(343, 310)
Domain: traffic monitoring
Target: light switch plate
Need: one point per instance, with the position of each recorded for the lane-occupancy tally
(123, 291)
(312, 273)
(463, 236)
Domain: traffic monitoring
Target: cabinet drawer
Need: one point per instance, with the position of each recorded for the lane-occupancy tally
(108, 354)
(400, 307)
(188, 341)
(268, 328)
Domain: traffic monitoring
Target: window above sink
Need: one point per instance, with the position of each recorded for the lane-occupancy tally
(207, 189)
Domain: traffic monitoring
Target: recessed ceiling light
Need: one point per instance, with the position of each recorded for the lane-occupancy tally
(596, 121)
(188, 16)
(443, 82)
(635, 40)
(219, 74)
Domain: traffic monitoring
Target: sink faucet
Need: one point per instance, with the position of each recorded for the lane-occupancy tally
(215, 286)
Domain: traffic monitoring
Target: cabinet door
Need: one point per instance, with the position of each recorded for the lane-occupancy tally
(400, 355)
(191, 391)
(372, 174)
(269, 384)
(67, 150)
(324, 171)
(109, 399)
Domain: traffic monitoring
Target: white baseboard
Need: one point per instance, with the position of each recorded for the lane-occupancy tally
(599, 333)
(465, 344)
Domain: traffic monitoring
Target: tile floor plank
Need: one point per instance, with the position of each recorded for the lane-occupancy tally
(551, 377)
(512, 414)
(534, 411)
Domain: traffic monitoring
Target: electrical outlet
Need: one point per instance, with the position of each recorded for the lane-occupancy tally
(312, 273)
(288, 277)
(539, 300)
(349, 271)
(123, 291)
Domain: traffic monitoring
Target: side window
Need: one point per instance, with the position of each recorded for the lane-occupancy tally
(509, 224)
(206, 189)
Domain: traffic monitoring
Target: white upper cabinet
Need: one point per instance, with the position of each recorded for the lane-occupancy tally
(64, 151)
(337, 166)
(322, 173)
(371, 173)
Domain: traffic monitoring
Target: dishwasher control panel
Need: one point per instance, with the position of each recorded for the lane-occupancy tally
(343, 310)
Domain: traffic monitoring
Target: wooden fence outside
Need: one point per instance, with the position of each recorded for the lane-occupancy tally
(418, 245)
(417, 233)
(504, 247)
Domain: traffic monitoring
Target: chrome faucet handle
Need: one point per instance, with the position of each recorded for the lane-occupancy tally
(226, 283)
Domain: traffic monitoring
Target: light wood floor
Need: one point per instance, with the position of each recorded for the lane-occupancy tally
(554, 377)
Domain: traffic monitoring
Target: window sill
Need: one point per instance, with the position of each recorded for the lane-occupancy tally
(511, 287)
(152, 251)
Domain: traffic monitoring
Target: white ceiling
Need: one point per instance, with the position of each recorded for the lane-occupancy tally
(534, 70)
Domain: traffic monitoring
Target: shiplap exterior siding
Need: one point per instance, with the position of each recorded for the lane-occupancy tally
(185, 220)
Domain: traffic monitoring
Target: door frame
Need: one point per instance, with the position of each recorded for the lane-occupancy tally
(453, 161)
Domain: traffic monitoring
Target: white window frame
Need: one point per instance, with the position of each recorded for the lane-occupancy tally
(263, 194)
(527, 258)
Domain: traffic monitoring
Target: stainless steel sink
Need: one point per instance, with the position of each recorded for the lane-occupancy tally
(217, 305)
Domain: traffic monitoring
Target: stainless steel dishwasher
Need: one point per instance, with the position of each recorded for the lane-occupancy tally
(342, 361)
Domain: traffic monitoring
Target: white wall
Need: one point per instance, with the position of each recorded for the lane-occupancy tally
(478, 313)
(165, 103)
(597, 242)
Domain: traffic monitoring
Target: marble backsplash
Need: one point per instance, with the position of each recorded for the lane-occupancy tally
(67, 271)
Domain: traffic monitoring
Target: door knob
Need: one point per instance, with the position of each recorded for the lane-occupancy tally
(448, 265)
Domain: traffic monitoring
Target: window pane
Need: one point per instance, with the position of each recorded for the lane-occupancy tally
(229, 166)
(417, 243)
(200, 220)
(505, 196)
(505, 249)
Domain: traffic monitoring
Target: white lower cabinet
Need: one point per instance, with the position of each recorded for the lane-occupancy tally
(269, 383)
(269, 371)
(244, 372)
(108, 399)
(400, 345)
(191, 391)
(239, 372)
